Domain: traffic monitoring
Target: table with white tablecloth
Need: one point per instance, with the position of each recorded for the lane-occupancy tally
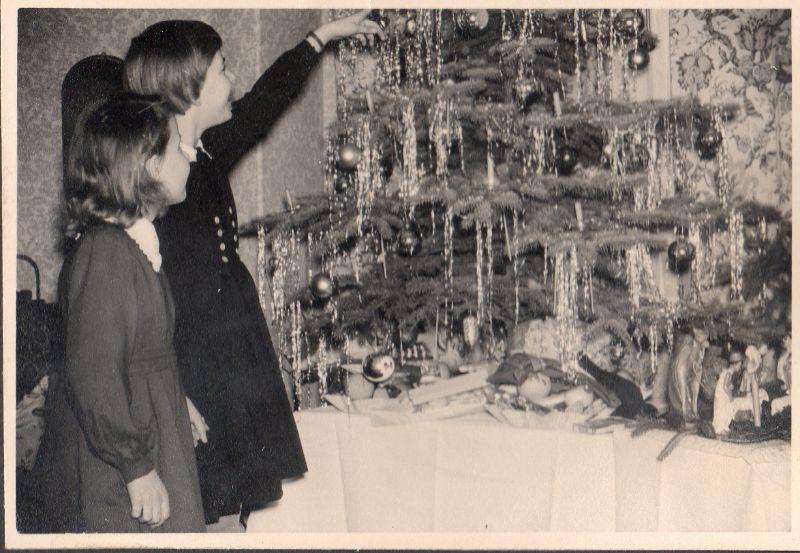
(475, 474)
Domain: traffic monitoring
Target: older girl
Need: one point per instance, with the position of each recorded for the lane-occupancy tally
(226, 357)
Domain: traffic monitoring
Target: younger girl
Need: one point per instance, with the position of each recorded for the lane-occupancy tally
(119, 442)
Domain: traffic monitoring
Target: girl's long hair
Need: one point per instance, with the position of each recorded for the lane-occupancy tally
(107, 177)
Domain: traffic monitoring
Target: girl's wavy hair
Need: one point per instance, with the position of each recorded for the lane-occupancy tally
(107, 177)
(170, 58)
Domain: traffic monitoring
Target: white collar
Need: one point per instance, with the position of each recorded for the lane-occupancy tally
(144, 234)
(191, 153)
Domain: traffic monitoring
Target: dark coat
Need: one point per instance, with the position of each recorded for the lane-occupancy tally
(117, 409)
(228, 365)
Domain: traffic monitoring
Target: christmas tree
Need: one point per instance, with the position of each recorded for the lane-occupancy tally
(488, 168)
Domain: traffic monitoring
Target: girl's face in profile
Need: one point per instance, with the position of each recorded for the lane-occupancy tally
(173, 167)
(214, 100)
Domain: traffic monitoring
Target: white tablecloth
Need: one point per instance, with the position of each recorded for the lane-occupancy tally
(465, 475)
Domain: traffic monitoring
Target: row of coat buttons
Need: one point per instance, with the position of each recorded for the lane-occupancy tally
(222, 245)
(235, 236)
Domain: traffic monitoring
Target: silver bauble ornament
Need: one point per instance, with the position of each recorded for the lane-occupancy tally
(409, 241)
(470, 23)
(378, 367)
(322, 286)
(680, 253)
(348, 156)
(639, 58)
(629, 22)
(410, 27)
(708, 141)
(566, 160)
(340, 184)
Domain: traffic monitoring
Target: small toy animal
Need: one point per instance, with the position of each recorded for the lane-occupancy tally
(686, 372)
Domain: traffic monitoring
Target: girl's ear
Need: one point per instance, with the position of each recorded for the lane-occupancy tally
(153, 166)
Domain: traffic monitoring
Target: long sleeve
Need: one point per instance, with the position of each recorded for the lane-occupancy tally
(101, 326)
(256, 112)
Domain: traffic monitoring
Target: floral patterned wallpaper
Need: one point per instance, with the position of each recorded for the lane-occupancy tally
(741, 56)
(52, 40)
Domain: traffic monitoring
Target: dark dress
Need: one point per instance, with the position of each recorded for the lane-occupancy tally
(227, 362)
(117, 409)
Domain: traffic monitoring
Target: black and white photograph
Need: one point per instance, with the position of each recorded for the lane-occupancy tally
(398, 277)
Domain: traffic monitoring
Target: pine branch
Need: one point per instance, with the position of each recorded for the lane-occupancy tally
(673, 443)
(599, 185)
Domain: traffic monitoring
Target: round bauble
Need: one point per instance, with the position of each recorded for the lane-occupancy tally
(358, 387)
(322, 286)
(639, 58)
(537, 386)
(629, 22)
(340, 184)
(708, 138)
(680, 254)
(348, 156)
(409, 241)
(471, 23)
(566, 160)
(378, 367)
(410, 28)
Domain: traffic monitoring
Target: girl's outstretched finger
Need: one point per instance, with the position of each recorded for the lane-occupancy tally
(373, 28)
